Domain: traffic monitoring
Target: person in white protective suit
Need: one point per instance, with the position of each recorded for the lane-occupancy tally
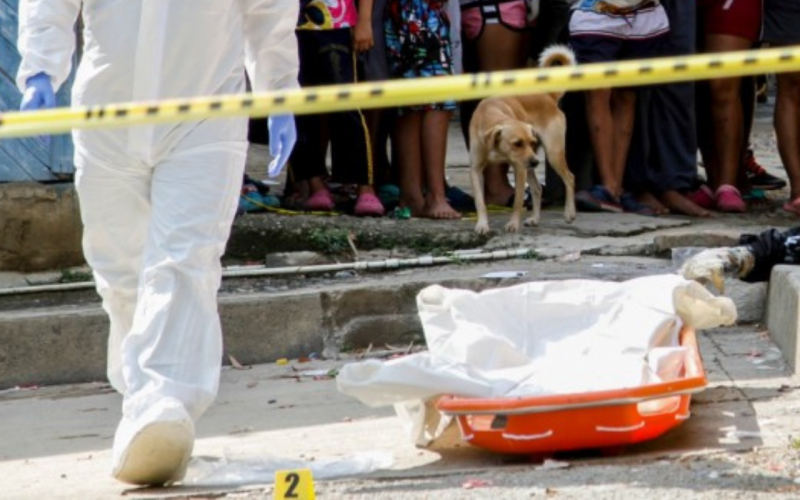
(157, 202)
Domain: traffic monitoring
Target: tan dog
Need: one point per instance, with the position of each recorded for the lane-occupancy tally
(512, 130)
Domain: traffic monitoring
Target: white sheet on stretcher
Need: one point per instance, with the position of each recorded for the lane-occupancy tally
(541, 338)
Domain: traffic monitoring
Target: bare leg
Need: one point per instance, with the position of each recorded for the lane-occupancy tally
(787, 127)
(601, 132)
(432, 142)
(623, 106)
(726, 114)
(407, 140)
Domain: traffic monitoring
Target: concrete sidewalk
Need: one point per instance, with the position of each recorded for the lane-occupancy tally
(56, 440)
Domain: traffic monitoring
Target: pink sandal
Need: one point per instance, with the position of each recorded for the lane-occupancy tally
(793, 206)
(703, 197)
(321, 201)
(368, 205)
(730, 200)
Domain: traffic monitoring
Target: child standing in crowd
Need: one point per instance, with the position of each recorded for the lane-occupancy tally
(726, 25)
(496, 37)
(603, 31)
(418, 45)
(662, 161)
(329, 35)
(375, 67)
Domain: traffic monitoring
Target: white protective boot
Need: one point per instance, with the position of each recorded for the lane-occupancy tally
(155, 448)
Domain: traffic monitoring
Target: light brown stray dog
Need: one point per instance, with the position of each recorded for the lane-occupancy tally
(512, 130)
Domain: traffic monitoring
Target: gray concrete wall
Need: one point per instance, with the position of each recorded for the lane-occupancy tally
(40, 227)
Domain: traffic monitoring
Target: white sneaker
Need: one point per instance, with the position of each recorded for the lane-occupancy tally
(155, 448)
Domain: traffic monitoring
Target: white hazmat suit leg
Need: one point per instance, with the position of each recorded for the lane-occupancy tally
(158, 201)
(170, 358)
(113, 241)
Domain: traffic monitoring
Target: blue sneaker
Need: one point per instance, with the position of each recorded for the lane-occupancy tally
(253, 201)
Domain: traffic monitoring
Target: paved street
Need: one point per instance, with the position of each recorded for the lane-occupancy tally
(738, 443)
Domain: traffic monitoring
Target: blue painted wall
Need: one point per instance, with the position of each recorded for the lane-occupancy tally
(28, 159)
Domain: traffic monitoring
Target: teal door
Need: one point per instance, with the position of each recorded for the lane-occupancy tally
(27, 159)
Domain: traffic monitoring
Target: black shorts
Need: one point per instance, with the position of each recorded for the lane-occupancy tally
(596, 49)
(782, 22)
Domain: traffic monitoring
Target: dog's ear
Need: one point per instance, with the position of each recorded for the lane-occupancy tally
(493, 136)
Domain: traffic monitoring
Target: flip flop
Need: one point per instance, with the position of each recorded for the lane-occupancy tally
(703, 197)
(793, 206)
(401, 213)
(597, 199)
(460, 200)
(368, 205)
(321, 201)
(631, 205)
(729, 199)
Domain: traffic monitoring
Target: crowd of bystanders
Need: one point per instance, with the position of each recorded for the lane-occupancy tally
(677, 148)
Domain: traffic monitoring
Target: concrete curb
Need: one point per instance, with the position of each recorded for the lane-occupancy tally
(68, 344)
(783, 311)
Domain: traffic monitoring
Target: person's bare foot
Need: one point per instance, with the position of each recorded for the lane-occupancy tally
(647, 198)
(439, 209)
(682, 205)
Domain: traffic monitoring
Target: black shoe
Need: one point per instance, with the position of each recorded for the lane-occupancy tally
(759, 177)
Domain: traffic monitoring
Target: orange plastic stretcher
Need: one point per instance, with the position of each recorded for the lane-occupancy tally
(545, 424)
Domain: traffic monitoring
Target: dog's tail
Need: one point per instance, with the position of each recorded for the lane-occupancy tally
(557, 55)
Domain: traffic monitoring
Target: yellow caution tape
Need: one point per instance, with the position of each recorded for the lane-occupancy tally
(406, 92)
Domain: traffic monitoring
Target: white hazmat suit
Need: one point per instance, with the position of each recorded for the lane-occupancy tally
(157, 202)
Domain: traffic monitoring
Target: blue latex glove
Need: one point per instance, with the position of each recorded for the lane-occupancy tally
(38, 95)
(282, 136)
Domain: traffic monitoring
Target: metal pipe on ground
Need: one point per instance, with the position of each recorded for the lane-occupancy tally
(261, 271)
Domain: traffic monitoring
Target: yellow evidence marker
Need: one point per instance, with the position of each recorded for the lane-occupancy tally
(294, 485)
